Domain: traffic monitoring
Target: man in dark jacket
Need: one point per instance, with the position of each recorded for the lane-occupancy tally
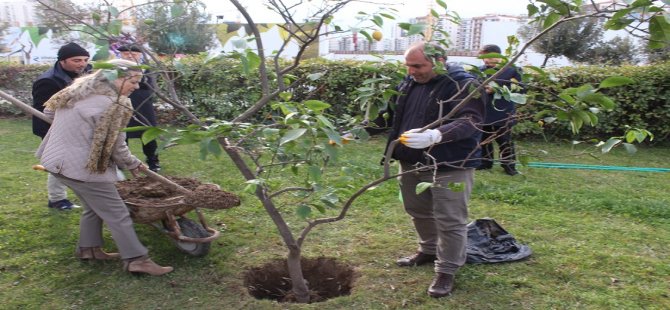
(72, 62)
(143, 103)
(444, 154)
(500, 115)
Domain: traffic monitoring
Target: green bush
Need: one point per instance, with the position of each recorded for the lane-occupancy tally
(219, 88)
(17, 81)
(643, 104)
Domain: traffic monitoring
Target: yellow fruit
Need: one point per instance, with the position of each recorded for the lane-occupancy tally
(377, 35)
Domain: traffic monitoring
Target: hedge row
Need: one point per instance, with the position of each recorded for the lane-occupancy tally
(219, 88)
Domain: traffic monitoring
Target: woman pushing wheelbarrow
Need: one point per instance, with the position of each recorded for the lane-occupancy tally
(84, 147)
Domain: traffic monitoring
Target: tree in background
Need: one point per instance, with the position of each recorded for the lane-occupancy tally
(571, 39)
(178, 28)
(3, 27)
(615, 52)
(50, 19)
(654, 55)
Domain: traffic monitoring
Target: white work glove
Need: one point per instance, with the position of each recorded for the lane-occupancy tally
(420, 140)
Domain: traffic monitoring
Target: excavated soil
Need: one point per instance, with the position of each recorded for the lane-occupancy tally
(326, 279)
(153, 192)
(148, 192)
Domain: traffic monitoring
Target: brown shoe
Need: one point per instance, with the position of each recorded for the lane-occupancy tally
(94, 253)
(418, 259)
(144, 264)
(442, 285)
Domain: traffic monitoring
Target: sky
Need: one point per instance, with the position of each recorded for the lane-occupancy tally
(406, 8)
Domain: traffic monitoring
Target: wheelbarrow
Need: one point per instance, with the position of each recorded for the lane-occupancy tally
(167, 214)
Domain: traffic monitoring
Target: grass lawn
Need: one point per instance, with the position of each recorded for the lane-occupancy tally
(600, 240)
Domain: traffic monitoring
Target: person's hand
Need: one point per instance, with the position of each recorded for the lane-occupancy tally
(136, 172)
(420, 140)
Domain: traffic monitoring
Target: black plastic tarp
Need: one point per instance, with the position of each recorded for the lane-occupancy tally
(488, 242)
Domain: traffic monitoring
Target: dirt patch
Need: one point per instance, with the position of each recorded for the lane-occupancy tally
(152, 191)
(149, 200)
(326, 279)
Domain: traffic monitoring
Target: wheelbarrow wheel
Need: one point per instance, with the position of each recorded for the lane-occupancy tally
(192, 229)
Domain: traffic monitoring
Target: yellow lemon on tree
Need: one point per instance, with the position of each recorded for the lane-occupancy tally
(377, 35)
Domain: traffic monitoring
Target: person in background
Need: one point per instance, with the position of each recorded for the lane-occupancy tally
(143, 103)
(444, 154)
(500, 116)
(83, 149)
(72, 62)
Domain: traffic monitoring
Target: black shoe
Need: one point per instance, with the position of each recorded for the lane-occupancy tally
(511, 170)
(62, 205)
(442, 285)
(418, 259)
(154, 167)
(153, 163)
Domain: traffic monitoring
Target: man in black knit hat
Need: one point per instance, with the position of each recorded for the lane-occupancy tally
(72, 62)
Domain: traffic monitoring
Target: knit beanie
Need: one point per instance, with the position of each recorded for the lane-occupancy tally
(71, 50)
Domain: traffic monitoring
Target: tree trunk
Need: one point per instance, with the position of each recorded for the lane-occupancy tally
(544, 63)
(299, 285)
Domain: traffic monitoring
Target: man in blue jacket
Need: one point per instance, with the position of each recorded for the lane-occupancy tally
(500, 115)
(444, 154)
(72, 62)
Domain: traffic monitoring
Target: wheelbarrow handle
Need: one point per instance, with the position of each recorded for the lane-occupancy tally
(157, 177)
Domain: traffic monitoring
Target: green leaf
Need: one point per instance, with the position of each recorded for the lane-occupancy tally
(377, 20)
(331, 200)
(314, 173)
(325, 122)
(253, 60)
(315, 76)
(332, 135)
(631, 149)
(215, 148)
(441, 3)
(659, 30)
(286, 96)
(303, 211)
(609, 145)
(367, 35)
(416, 29)
(423, 186)
(518, 98)
(113, 11)
(550, 20)
(135, 128)
(615, 81)
(114, 27)
(532, 10)
(320, 208)
(110, 75)
(291, 135)
(316, 105)
(387, 16)
(151, 133)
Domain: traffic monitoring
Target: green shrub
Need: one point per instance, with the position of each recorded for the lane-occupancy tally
(643, 104)
(219, 88)
(17, 81)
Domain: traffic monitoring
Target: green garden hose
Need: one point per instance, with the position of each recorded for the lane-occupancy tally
(594, 167)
